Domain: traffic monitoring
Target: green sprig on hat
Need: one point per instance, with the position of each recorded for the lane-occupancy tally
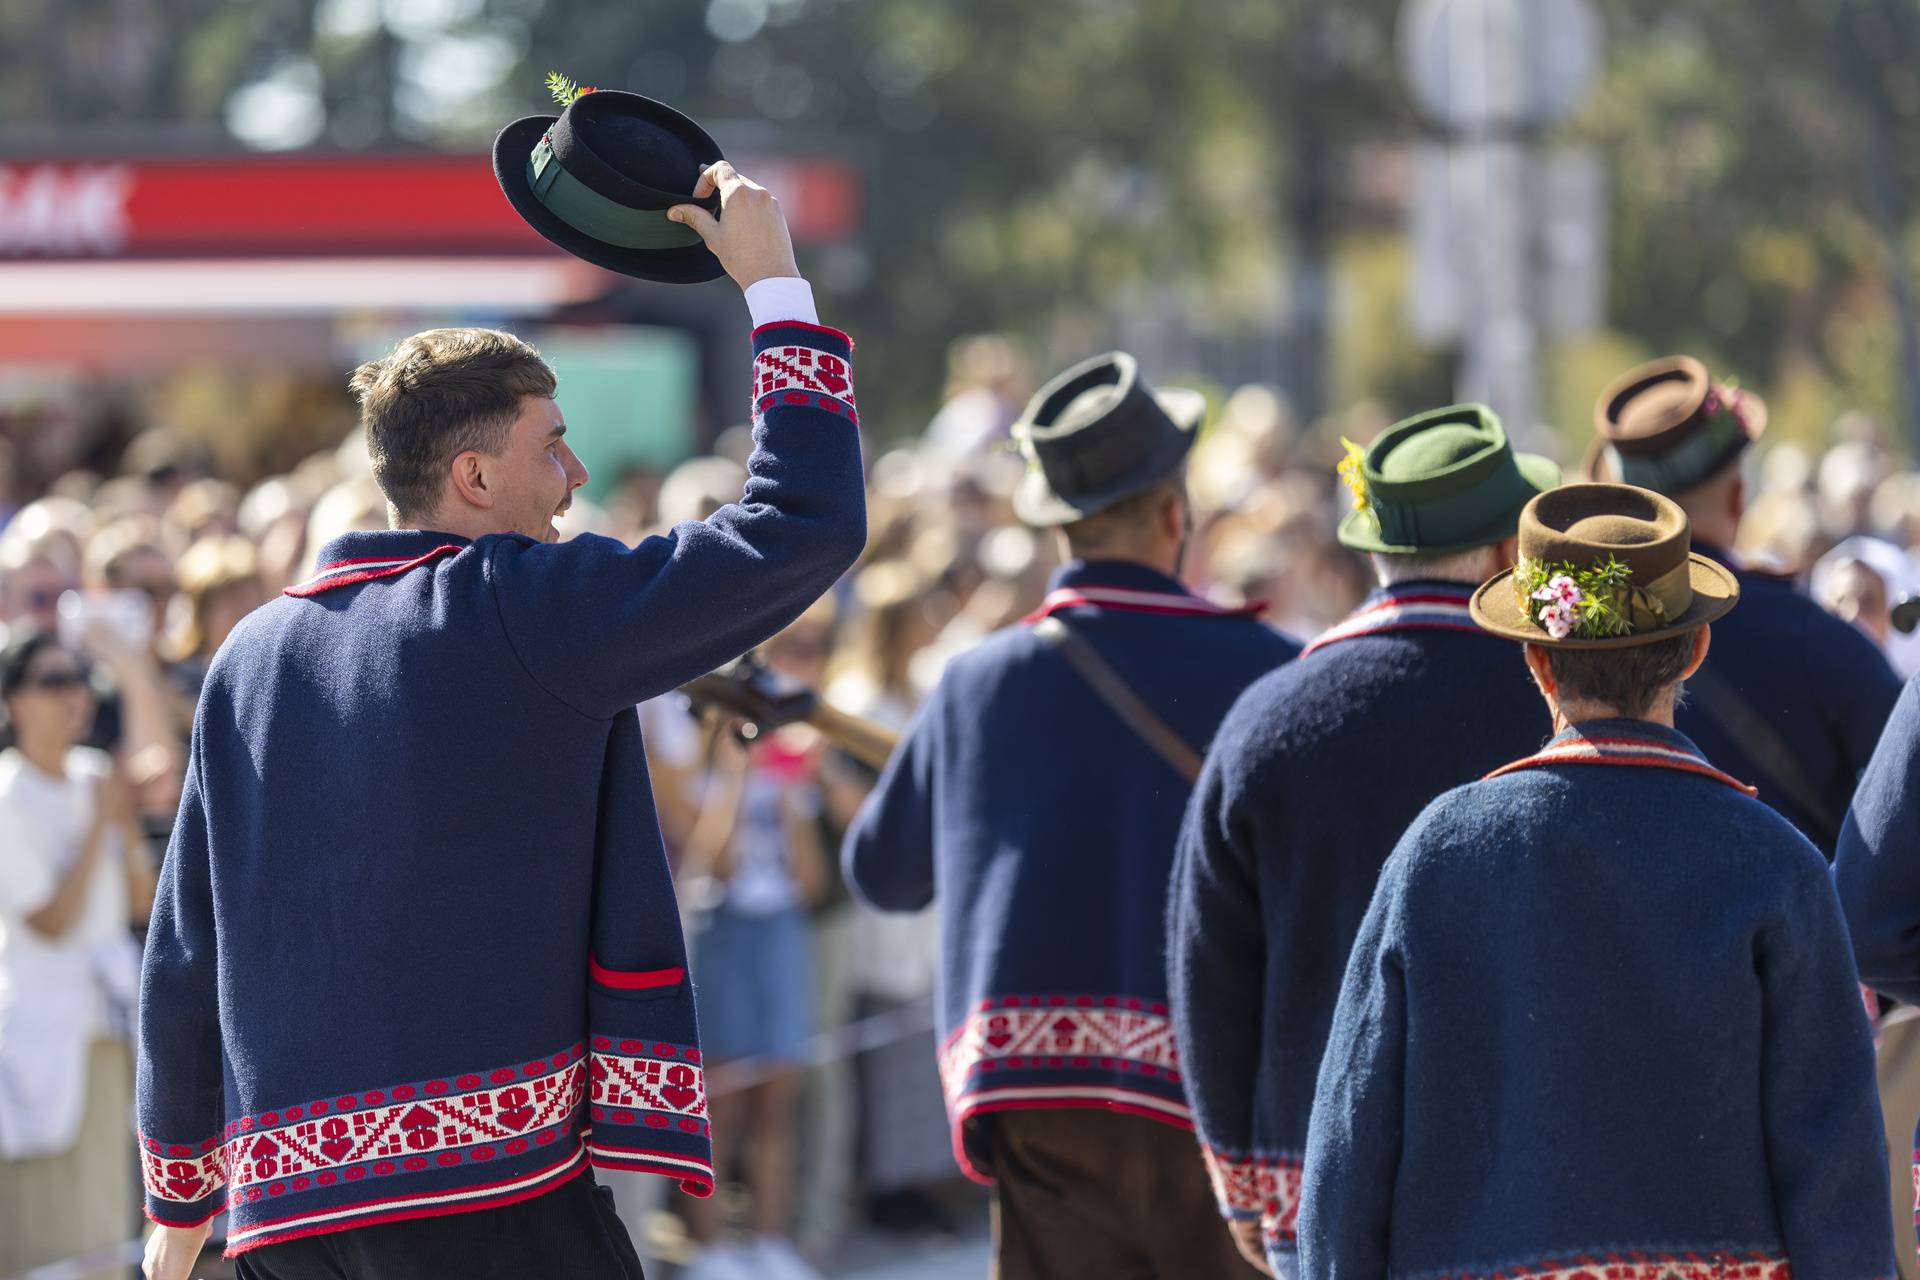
(1592, 604)
(564, 90)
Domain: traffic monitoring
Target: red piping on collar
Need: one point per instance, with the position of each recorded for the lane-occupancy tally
(1417, 611)
(1648, 753)
(1164, 603)
(329, 576)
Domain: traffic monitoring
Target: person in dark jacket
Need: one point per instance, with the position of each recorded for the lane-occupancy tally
(1601, 1018)
(1276, 865)
(1792, 698)
(1877, 870)
(416, 951)
(1039, 811)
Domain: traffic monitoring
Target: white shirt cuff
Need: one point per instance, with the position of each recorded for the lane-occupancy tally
(781, 298)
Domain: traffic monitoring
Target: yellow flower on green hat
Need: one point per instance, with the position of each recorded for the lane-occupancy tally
(1352, 471)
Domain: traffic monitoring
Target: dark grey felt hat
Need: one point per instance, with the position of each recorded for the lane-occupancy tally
(1097, 434)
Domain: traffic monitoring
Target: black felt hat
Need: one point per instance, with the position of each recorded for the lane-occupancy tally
(598, 179)
(1097, 434)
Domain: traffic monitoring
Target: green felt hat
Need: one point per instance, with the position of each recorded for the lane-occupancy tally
(1442, 481)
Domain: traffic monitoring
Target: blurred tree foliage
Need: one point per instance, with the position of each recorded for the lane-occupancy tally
(1034, 163)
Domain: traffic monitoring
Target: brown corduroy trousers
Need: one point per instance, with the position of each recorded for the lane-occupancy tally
(1085, 1193)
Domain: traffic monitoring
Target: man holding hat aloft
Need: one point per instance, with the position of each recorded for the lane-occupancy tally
(1792, 699)
(1036, 797)
(1601, 1016)
(415, 962)
(1278, 856)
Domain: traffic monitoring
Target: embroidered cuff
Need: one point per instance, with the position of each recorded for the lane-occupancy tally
(182, 1182)
(1263, 1187)
(780, 298)
(801, 376)
(648, 1104)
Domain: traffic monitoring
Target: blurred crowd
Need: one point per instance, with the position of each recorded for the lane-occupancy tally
(118, 586)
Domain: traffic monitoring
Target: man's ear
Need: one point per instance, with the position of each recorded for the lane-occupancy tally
(1702, 641)
(1737, 496)
(468, 478)
(1541, 670)
(1504, 553)
(1175, 521)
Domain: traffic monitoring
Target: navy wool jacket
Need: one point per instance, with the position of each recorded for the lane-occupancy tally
(1315, 774)
(1823, 687)
(415, 949)
(1044, 827)
(1601, 1017)
(1877, 870)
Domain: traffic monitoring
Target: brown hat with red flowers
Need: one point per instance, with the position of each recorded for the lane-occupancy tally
(1668, 426)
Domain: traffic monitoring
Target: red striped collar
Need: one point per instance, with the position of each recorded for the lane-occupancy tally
(344, 573)
(1622, 749)
(1170, 604)
(1423, 606)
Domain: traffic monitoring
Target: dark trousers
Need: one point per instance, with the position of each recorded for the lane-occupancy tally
(1080, 1193)
(569, 1232)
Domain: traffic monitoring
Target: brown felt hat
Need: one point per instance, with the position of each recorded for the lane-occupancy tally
(1667, 426)
(1626, 553)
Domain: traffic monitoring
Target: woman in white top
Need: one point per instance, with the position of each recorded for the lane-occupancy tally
(73, 876)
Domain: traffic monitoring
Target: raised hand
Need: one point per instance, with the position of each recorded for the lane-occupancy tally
(750, 235)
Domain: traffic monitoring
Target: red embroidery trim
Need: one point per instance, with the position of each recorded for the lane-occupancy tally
(1060, 1033)
(322, 582)
(1706, 1265)
(1633, 752)
(403, 1208)
(695, 1176)
(1414, 611)
(828, 330)
(1164, 603)
(1267, 1187)
(622, 980)
(802, 376)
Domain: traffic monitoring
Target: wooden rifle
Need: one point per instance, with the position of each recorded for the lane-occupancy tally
(746, 690)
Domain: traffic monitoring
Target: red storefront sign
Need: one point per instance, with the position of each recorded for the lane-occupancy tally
(319, 205)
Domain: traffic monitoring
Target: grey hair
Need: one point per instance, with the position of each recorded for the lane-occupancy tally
(1457, 566)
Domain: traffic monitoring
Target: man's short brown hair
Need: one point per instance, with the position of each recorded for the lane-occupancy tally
(437, 395)
(1629, 680)
(1125, 518)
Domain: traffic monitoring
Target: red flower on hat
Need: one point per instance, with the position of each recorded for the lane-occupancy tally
(1725, 398)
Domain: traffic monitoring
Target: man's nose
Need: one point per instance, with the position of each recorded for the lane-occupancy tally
(576, 470)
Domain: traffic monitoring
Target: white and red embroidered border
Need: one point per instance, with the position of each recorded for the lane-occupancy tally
(1646, 752)
(651, 1084)
(1064, 1033)
(1166, 603)
(182, 1175)
(436, 1123)
(252, 1233)
(1266, 1187)
(1429, 609)
(803, 376)
(1706, 1265)
(409, 1128)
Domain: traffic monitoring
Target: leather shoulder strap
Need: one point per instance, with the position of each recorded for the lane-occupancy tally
(1118, 695)
(1765, 747)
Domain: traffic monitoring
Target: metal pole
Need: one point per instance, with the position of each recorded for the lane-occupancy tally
(1501, 363)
